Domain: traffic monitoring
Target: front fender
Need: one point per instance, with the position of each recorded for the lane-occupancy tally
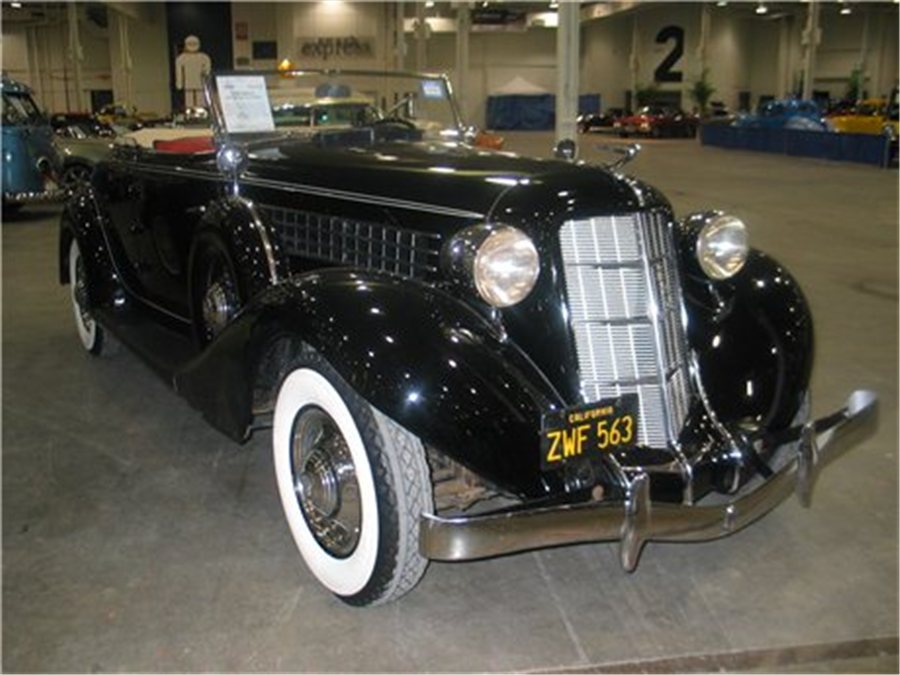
(416, 353)
(251, 240)
(754, 344)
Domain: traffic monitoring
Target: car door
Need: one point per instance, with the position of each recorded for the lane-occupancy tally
(176, 190)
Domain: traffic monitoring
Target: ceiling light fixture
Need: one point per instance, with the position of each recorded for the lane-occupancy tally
(429, 4)
(762, 9)
(554, 4)
(721, 3)
(16, 5)
(845, 10)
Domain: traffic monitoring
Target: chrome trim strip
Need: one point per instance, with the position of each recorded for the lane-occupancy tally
(318, 191)
(363, 198)
(637, 519)
(263, 236)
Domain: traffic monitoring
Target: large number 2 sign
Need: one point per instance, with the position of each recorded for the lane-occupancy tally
(664, 72)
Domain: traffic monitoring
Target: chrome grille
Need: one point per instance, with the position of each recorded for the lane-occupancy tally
(344, 241)
(625, 309)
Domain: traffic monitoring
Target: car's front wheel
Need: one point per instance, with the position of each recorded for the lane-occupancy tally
(353, 485)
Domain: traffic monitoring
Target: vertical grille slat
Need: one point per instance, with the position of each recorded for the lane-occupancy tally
(624, 299)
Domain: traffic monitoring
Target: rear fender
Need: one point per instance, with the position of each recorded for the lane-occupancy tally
(80, 221)
(416, 353)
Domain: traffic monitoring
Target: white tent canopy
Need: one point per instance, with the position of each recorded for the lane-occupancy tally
(519, 86)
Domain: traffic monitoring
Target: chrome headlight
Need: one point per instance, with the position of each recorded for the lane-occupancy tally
(722, 246)
(500, 262)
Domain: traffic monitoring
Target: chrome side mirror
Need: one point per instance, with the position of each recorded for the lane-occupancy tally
(566, 149)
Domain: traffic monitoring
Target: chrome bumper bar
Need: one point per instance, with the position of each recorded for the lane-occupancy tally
(45, 196)
(637, 520)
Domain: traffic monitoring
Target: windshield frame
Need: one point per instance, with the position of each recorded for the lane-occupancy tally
(217, 118)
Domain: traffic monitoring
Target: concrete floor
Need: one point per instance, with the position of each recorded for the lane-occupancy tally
(136, 538)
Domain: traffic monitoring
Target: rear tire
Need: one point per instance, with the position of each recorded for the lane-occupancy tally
(216, 295)
(353, 485)
(94, 338)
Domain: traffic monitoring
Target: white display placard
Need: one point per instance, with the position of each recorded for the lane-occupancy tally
(245, 103)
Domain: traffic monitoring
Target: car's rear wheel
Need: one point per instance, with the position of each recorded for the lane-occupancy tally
(75, 175)
(215, 292)
(93, 338)
(353, 485)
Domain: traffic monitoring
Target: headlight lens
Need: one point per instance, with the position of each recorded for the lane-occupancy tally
(722, 246)
(506, 267)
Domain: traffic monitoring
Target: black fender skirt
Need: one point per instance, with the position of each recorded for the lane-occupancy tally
(417, 353)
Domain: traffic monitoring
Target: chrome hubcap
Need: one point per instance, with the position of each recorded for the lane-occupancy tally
(325, 482)
(218, 306)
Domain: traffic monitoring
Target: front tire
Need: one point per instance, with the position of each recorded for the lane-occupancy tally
(353, 485)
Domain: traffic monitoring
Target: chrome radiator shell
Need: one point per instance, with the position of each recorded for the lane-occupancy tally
(627, 317)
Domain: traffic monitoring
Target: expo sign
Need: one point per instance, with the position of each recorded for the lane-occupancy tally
(325, 48)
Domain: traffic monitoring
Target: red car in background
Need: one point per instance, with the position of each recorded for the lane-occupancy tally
(657, 121)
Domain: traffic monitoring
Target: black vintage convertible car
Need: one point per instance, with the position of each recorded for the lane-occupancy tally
(461, 353)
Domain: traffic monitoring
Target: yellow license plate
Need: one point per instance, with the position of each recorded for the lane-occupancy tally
(596, 428)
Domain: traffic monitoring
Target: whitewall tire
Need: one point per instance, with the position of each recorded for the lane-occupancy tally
(353, 485)
(90, 333)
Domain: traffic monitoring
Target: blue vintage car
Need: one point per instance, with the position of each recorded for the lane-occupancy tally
(785, 114)
(31, 162)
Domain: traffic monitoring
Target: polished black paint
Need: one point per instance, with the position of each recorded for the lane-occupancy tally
(418, 354)
(470, 380)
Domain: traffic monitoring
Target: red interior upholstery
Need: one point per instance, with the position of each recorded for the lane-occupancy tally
(188, 145)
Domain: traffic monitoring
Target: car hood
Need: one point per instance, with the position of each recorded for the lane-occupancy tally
(449, 176)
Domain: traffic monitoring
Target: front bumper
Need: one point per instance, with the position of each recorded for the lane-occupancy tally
(38, 197)
(636, 520)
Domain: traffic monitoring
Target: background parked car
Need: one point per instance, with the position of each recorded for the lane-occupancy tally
(785, 114)
(30, 161)
(656, 121)
(80, 125)
(127, 116)
(870, 116)
(600, 121)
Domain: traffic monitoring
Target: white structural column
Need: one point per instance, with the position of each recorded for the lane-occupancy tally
(703, 45)
(783, 86)
(421, 37)
(463, 24)
(634, 64)
(568, 39)
(125, 58)
(76, 54)
(811, 37)
(864, 53)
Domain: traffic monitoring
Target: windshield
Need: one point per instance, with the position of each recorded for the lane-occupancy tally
(20, 109)
(308, 102)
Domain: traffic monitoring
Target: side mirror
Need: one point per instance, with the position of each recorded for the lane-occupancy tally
(566, 149)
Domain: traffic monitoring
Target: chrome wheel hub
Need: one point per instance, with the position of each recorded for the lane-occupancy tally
(218, 307)
(325, 482)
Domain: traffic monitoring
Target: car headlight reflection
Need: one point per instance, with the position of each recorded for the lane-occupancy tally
(506, 267)
(499, 262)
(722, 246)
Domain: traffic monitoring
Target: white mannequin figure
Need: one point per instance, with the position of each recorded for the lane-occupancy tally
(190, 67)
